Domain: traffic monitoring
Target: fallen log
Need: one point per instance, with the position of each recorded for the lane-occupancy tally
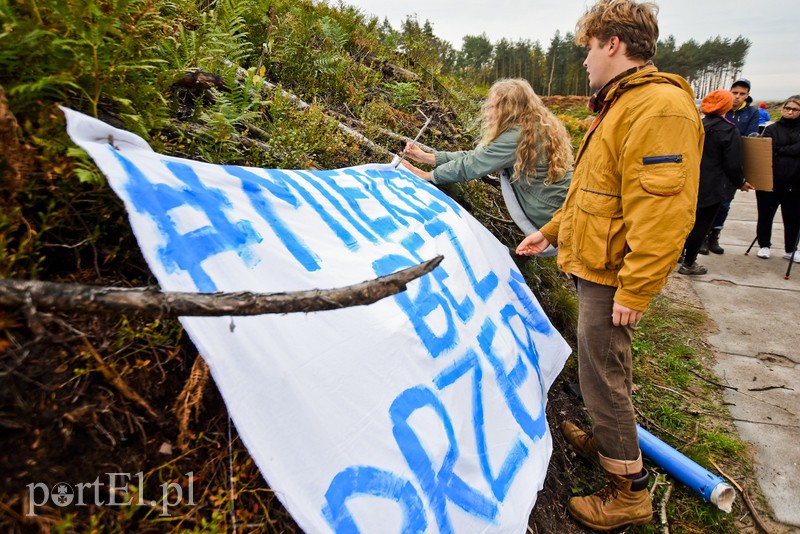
(302, 105)
(390, 69)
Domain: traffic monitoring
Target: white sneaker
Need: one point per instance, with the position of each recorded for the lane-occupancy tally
(796, 258)
(763, 252)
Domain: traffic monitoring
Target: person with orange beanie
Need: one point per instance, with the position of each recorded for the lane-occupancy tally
(745, 117)
(721, 173)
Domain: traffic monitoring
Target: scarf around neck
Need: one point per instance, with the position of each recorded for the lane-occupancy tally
(790, 123)
(597, 100)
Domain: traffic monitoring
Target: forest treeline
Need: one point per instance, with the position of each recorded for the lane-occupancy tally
(557, 69)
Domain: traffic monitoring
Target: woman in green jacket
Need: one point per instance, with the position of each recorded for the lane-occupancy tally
(519, 137)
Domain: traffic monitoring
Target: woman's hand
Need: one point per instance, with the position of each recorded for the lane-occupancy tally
(419, 172)
(413, 151)
(533, 244)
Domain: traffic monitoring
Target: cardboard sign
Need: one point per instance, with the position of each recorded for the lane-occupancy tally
(758, 162)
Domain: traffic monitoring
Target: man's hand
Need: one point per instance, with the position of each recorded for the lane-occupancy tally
(746, 187)
(533, 244)
(624, 316)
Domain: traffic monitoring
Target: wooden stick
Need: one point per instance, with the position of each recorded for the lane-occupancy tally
(52, 296)
(663, 512)
(419, 133)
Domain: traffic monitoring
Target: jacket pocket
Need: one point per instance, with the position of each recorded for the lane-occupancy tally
(599, 241)
(663, 175)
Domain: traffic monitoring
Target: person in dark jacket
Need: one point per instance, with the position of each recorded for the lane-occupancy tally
(721, 173)
(745, 117)
(785, 134)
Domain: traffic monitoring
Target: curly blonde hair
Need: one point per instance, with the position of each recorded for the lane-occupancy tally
(635, 23)
(516, 105)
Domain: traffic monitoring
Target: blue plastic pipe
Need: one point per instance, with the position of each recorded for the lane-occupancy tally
(710, 486)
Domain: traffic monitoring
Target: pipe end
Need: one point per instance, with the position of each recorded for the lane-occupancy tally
(723, 497)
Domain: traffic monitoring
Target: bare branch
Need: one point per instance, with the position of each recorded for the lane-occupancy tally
(383, 131)
(50, 296)
(302, 105)
(390, 69)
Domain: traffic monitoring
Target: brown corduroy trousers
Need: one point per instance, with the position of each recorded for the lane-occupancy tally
(605, 373)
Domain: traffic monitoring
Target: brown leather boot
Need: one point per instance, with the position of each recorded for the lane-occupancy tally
(622, 501)
(582, 442)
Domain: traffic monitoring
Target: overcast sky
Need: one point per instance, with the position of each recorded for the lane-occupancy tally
(772, 64)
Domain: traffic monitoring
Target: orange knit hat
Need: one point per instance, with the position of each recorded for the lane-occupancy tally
(717, 102)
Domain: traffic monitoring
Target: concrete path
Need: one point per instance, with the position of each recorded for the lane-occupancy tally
(758, 315)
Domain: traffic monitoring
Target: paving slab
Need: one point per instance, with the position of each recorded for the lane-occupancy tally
(777, 472)
(757, 312)
(752, 320)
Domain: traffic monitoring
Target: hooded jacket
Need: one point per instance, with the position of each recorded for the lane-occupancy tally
(633, 194)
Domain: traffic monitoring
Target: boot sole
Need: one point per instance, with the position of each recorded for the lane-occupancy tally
(640, 521)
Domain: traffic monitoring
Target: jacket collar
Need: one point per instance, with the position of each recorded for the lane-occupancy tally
(710, 120)
(598, 100)
(618, 84)
(604, 99)
(789, 123)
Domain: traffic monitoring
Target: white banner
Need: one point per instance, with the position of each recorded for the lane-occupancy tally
(423, 412)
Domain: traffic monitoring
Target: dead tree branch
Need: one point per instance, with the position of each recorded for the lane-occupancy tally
(389, 69)
(302, 105)
(50, 296)
(347, 130)
(384, 131)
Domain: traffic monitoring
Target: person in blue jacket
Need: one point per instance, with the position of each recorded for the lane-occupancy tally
(745, 118)
(763, 114)
(743, 115)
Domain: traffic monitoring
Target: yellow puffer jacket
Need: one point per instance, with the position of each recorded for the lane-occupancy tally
(633, 195)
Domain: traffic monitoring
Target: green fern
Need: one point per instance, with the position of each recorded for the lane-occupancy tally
(215, 38)
(83, 51)
(333, 33)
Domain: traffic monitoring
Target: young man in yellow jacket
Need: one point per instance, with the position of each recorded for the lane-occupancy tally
(620, 231)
